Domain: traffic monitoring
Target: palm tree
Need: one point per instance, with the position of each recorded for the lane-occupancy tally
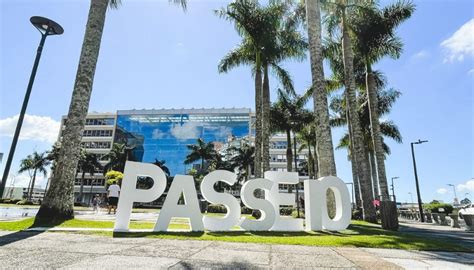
(200, 151)
(374, 32)
(88, 163)
(26, 164)
(269, 37)
(58, 203)
(287, 115)
(161, 164)
(307, 139)
(337, 10)
(326, 163)
(118, 156)
(38, 163)
(243, 159)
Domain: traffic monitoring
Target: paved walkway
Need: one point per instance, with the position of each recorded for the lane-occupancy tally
(74, 251)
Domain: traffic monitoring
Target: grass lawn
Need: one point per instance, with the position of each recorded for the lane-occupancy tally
(359, 234)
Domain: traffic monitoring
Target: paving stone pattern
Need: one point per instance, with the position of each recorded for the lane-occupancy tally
(27, 250)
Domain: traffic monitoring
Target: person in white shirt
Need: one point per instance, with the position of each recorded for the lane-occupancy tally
(113, 196)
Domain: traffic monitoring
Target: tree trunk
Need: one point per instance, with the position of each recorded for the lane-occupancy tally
(81, 191)
(325, 153)
(315, 162)
(373, 170)
(266, 119)
(289, 152)
(59, 201)
(358, 138)
(355, 178)
(310, 161)
(32, 185)
(376, 133)
(258, 118)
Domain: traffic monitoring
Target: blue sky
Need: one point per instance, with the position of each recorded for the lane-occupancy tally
(153, 55)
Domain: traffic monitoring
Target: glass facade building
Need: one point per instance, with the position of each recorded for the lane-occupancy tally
(164, 134)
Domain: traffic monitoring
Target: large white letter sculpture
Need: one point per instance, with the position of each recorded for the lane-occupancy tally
(129, 193)
(316, 209)
(230, 202)
(277, 199)
(265, 222)
(182, 184)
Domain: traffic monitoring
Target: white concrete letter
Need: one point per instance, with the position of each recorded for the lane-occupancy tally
(265, 222)
(230, 202)
(181, 184)
(277, 199)
(316, 209)
(129, 193)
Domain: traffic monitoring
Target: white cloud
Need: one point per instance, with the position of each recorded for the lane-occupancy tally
(442, 191)
(186, 131)
(421, 55)
(36, 128)
(460, 44)
(468, 186)
(157, 134)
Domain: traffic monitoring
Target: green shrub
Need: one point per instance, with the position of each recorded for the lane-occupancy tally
(216, 208)
(434, 207)
(295, 213)
(245, 210)
(286, 211)
(24, 202)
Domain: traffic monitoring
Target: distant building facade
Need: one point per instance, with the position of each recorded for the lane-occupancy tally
(164, 134)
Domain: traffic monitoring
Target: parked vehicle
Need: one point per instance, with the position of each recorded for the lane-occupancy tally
(467, 209)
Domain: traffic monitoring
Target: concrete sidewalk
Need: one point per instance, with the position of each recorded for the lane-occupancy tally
(74, 251)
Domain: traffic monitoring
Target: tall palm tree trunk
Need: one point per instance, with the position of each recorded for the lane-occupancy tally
(376, 133)
(33, 179)
(357, 136)
(325, 153)
(59, 201)
(373, 170)
(266, 120)
(289, 152)
(310, 161)
(355, 177)
(315, 162)
(81, 191)
(258, 118)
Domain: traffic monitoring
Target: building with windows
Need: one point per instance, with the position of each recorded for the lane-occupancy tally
(163, 134)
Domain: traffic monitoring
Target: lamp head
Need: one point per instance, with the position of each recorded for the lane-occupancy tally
(46, 26)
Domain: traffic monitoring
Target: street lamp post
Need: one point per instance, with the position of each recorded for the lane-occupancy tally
(420, 206)
(393, 188)
(46, 27)
(455, 201)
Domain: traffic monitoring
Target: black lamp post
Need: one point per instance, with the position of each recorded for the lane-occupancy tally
(420, 206)
(46, 27)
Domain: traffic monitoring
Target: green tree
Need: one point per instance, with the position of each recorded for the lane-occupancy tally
(338, 16)
(269, 37)
(118, 156)
(161, 164)
(326, 163)
(375, 38)
(200, 151)
(58, 203)
(37, 162)
(243, 160)
(113, 177)
(288, 115)
(88, 163)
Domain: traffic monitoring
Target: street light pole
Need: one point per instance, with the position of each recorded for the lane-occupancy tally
(420, 206)
(393, 188)
(46, 27)
(455, 196)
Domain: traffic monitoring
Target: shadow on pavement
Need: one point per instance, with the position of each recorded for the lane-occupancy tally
(17, 236)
